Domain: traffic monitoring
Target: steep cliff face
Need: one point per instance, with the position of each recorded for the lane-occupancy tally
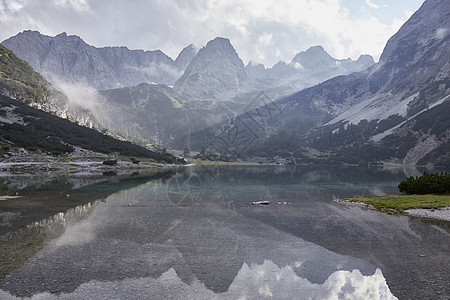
(215, 73)
(69, 58)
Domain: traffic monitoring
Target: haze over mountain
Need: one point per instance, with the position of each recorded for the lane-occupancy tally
(35, 117)
(70, 59)
(216, 73)
(19, 81)
(306, 69)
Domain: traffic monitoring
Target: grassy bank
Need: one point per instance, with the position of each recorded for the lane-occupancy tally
(400, 203)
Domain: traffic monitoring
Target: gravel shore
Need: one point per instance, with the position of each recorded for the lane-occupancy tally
(440, 214)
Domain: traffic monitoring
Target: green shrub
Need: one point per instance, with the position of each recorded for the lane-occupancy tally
(111, 162)
(427, 183)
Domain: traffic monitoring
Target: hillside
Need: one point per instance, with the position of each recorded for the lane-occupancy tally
(26, 127)
(383, 113)
(153, 113)
(19, 81)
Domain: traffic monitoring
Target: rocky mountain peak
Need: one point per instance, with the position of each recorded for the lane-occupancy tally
(185, 57)
(366, 59)
(430, 22)
(216, 72)
(313, 57)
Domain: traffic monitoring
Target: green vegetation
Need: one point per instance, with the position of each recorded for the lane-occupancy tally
(58, 136)
(400, 203)
(110, 162)
(428, 191)
(20, 80)
(426, 184)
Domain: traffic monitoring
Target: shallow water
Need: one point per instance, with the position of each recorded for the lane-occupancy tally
(195, 234)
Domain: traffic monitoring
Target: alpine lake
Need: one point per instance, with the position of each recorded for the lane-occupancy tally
(196, 233)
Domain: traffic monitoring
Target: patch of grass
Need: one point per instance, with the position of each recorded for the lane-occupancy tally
(400, 203)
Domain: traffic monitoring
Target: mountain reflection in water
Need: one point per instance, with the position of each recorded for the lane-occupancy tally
(197, 236)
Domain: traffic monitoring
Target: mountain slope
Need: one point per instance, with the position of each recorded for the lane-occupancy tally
(69, 58)
(412, 75)
(19, 81)
(185, 57)
(152, 113)
(32, 129)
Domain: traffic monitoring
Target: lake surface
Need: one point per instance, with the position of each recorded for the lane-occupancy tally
(193, 233)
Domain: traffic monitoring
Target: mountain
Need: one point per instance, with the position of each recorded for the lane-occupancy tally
(380, 113)
(19, 81)
(69, 58)
(216, 72)
(26, 102)
(319, 63)
(152, 112)
(185, 57)
(306, 69)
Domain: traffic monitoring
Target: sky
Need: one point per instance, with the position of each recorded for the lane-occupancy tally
(264, 31)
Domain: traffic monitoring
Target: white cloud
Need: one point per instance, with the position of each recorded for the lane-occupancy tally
(371, 4)
(265, 38)
(78, 5)
(441, 33)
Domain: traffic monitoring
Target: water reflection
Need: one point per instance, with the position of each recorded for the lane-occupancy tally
(194, 236)
(252, 282)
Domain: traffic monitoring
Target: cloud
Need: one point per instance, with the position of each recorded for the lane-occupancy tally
(371, 4)
(265, 31)
(441, 33)
(78, 5)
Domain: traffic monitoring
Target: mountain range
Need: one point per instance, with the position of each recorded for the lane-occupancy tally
(383, 104)
(36, 119)
(314, 109)
(69, 58)
(215, 72)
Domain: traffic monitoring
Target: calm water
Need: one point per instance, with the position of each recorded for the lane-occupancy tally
(193, 233)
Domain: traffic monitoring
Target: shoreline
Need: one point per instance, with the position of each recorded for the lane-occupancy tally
(438, 214)
(441, 214)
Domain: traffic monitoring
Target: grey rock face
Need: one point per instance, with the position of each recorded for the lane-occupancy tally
(185, 57)
(69, 58)
(216, 72)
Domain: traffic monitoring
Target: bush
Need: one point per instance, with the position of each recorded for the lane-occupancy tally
(426, 184)
(111, 162)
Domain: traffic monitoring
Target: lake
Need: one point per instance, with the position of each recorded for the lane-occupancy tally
(194, 233)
